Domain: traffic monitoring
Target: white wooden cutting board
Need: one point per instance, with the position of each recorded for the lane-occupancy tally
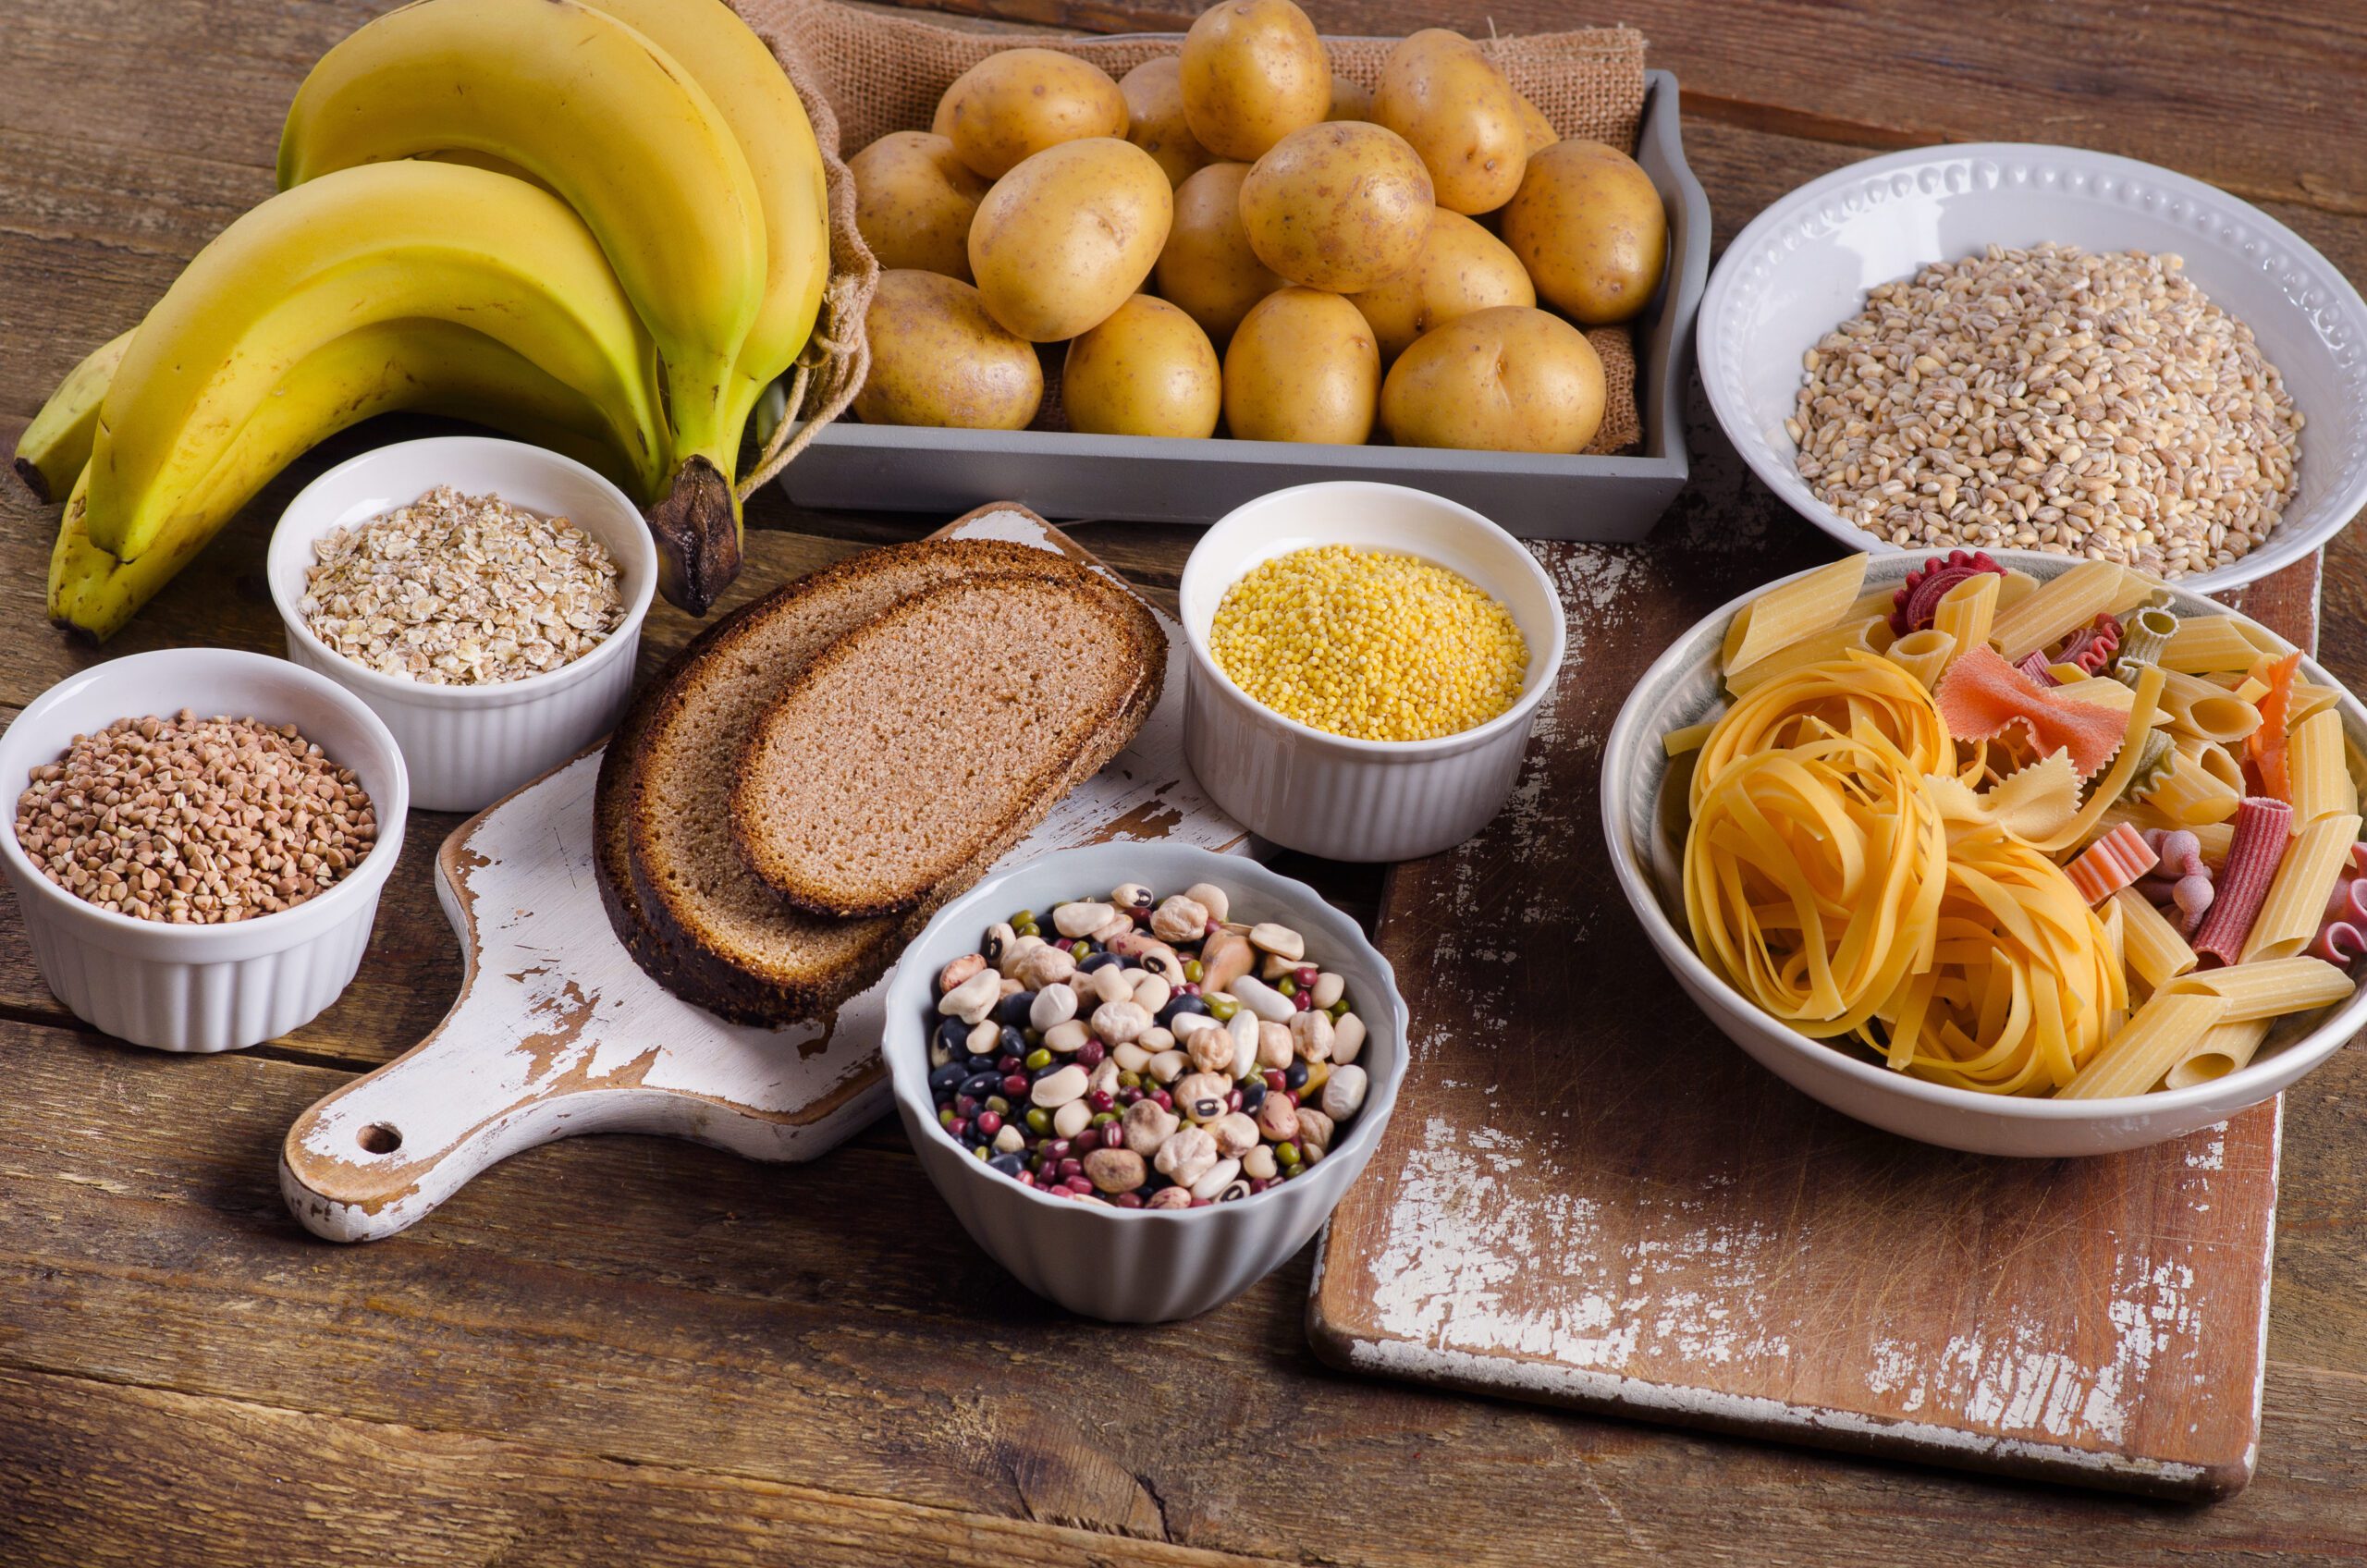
(557, 1032)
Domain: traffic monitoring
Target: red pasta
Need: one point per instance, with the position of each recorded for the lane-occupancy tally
(2254, 849)
(2035, 667)
(2342, 933)
(2112, 862)
(1982, 696)
(1918, 597)
(2094, 645)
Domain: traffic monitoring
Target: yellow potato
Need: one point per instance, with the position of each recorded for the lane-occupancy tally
(1534, 127)
(1206, 266)
(1062, 239)
(1442, 95)
(1460, 269)
(1154, 92)
(1147, 371)
(1302, 368)
(1589, 229)
(1339, 205)
(913, 201)
(938, 358)
(1253, 71)
(1511, 379)
(1011, 106)
(1350, 101)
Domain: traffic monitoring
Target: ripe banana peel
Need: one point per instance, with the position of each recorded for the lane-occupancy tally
(385, 242)
(589, 105)
(56, 448)
(420, 365)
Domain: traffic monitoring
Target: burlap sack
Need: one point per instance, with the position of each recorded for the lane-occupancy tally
(862, 74)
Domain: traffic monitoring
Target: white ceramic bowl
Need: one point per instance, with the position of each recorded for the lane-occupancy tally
(1804, 264)
(202, 987)
(1327, 794)
(467, 746)
(1140, 1266)
(1647, 841)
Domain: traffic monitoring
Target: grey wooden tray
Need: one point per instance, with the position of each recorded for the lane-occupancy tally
(906, 468)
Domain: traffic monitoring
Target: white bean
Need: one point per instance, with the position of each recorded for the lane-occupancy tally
(1262, 1000)
(1081, 919)
(1347, 1039)
(1055, 1004)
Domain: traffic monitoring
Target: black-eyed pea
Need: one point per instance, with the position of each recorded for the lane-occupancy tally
(1312, 1035)
(1259, 1164)
(1170, 1197)
(1280, 940)
(1216, 1179)
(1014, 960)
(1115, 1171)
(1213, 899)
(1151, 953)
(1082, 918)
(1118, 1022)
(1224, 958)
(1179, 919)
(1151, 991)
(1053, 1006)
(1343, 1093)
(1067, 1038)
(1203, 1095)
(1188, 1155)
(1262, 1000)
(1131, 1057)
(959, 970)
(999, 937)
(1168, 1066)
(1071, 1119)
(1047, 965)
(1327, 990)
(1130, 895)
(1148, 1124)
(1236, 1133)
(1244, 1028)
(1278, 1119)
(1273, 1044)
(1111, 984)
(1210, 1050)
(1347, 1039)
(1234, 1191)
(974, 999)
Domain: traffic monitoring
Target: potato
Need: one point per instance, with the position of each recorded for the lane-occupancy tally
(1206, 265)
(1460, 269)
(1534, 127)
(1349, 100)
(1339, 205)
(1589, 229)
(1011, 106)
(1302, 368)
(938, 358)
(1062, 239)
(1147, 371)
(913, 201)
(1442, 95)
(1253, 71)
(1511, 379)
(1154, 92)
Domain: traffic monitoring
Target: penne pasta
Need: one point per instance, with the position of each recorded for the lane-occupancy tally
(2309, 701)
(1874, 601)
(2297, 894)
(2191, 795)
(2155, 949)
(2269, 989)
(1965, 610)
(2061, 606)
(1924, 655)
(2014, 587)
(2204, 643)
(2161, 1033)
(2222, 1049)
(1813, 603)
(2213, 759)
(2197, 707)
(1836, 643)
(2320, 770)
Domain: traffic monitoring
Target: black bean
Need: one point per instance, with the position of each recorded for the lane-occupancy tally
(1295, 1075)
(953, 1036)
(1009, 1042)
(1012, 1009)
(982, 1085)
(1100, 960)
(1177, 1003)
(1009, 1164)
(1253, 1095)
(949, 1078)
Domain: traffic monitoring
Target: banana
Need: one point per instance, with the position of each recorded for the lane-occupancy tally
(610, 121)
(55, 447)
(351, 248)
(421, 364)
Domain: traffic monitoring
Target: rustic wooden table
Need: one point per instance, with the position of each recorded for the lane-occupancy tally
(632, 1351)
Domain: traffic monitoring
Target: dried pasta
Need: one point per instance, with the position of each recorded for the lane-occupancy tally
(2318, 766)
(2297, 897)
(2061, 606)
(2222, 1049)
(1923, 655)
(2156, 953)
(2203, 645)
(1809, 604)
(1966, 611)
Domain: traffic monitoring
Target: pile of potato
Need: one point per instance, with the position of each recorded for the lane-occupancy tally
(1314, 236)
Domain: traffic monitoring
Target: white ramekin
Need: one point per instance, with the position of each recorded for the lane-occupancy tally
(1141, 1265)
(467, 746)
(1646, 846)
(203, 987)
(1327, 794)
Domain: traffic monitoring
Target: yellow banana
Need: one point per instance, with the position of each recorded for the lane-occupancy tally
(365, 245)
(610, 121)
(420, 365)
(55, 447)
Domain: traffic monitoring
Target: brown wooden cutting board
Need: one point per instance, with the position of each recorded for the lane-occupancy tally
(1589, 1196)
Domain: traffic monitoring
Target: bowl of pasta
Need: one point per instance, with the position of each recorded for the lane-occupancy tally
(2011, 853)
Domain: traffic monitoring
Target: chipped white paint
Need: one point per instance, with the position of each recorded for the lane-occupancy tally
(557, 1031)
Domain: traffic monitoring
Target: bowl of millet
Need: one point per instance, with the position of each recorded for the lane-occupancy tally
(1367, 661)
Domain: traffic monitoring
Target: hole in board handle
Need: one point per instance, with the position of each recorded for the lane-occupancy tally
(379, 1138)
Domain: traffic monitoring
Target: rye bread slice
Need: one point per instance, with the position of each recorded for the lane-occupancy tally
(674, 886)
(931, 734)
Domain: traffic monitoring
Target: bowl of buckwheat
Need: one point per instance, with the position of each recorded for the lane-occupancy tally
(1142, 1075)
(197, 839)
(2020, 347)
(484, 597)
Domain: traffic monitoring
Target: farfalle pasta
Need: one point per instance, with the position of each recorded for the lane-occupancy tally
(2042, 838)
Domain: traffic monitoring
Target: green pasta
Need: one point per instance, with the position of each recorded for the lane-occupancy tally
(2142, 637)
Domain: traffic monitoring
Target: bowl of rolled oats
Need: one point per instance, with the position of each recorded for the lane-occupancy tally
(484, 598)
(2022, 347)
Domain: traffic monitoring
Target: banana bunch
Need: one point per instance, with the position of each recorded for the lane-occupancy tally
(598, 225)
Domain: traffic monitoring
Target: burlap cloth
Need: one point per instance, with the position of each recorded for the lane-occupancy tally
(862, 74)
